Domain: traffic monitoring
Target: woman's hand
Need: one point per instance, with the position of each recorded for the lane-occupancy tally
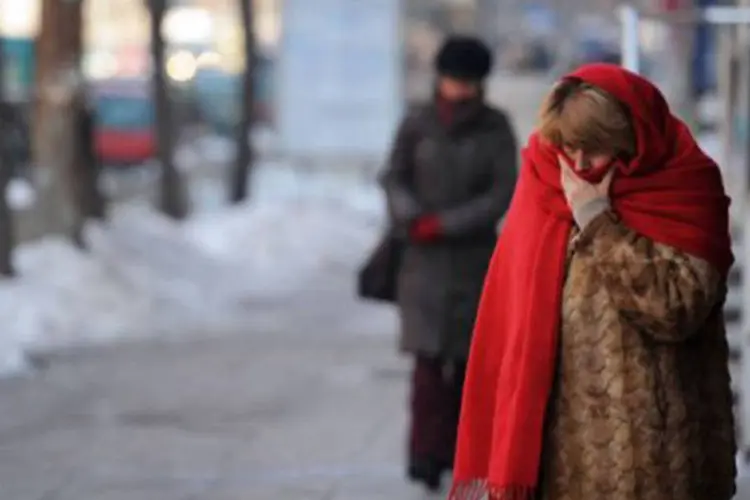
(586, 200)
(426, 228)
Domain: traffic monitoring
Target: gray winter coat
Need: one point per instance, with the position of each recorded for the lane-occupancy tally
(464, 173)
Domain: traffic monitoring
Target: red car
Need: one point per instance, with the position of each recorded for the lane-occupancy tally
(125, 122)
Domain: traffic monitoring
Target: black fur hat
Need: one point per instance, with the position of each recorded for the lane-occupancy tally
(464, 58)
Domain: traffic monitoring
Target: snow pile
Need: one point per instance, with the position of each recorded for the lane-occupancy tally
(63, 295)
(282, 245)
(184, 287)
(349, 187)
(146, 275)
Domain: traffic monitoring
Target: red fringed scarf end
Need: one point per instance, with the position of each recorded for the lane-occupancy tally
(483, 490)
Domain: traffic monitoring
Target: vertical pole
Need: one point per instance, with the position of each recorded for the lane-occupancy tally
(727, 94)
(744, 86)
(740, 135)
(630, 40)
(684, 46)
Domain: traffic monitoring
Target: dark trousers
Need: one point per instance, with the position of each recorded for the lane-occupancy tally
(437, 386)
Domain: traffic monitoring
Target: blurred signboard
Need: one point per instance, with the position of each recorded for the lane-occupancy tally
(18, 69)
(339, 78)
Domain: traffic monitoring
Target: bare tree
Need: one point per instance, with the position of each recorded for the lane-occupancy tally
(60, 47)
(173, 195)
(92, 201)
(239, 179)
(7, 232)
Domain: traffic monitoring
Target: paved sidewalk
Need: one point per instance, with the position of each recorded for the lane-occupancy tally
(307, 417)
(304, 417)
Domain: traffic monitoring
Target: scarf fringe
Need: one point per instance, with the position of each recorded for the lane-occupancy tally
(481, 489)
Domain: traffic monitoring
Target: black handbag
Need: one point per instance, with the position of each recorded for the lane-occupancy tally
(378, 277)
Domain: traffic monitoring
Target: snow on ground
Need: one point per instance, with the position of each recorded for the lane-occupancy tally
(146, 275)
(280, 244)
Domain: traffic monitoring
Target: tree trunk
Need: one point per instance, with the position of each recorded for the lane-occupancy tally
(239, 179)
(59, 81)
(74, 181)
(173, 195)
(7, 229)
(7, 232)
(92, 201)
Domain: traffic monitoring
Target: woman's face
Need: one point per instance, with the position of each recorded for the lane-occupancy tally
(583, 162)
(455, 90)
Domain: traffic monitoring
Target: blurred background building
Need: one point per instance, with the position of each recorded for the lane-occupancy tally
(205, 54)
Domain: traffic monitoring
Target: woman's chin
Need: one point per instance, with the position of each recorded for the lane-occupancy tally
(593, 175)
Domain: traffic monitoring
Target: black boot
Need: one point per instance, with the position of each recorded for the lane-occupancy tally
(429, 472)
(446, 465)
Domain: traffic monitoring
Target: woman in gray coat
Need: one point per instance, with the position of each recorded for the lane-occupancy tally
(450, 178)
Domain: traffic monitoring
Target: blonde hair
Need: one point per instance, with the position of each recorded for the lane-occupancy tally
(581, 116)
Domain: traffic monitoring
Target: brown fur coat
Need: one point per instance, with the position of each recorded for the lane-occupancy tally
(641, 408)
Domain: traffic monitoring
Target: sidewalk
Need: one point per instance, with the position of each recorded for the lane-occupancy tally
(308, 417)
(282, 417)
(259, 417)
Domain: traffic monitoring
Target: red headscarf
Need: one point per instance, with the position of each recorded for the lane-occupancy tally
(671, 192)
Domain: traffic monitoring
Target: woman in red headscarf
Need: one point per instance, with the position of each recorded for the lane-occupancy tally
(598, 367)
